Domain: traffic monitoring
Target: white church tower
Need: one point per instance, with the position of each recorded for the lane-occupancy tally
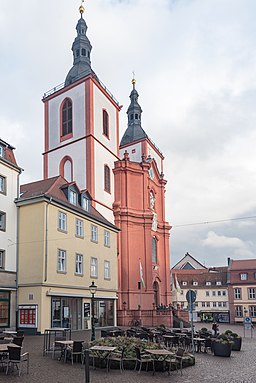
(81, 128)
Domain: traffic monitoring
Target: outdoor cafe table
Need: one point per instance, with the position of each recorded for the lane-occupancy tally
(64, 344)
(101, 352)
(10, 332)
(169, 338)
(159, 355)
(199, 342)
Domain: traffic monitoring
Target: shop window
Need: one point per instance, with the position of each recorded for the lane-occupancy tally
(4, 309)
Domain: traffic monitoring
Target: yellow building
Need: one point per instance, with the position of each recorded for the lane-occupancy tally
(64, 245)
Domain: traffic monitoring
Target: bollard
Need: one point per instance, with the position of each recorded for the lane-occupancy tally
(86, 365)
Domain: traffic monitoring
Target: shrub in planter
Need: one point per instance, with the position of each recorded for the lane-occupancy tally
(236, 340)
(222, 346)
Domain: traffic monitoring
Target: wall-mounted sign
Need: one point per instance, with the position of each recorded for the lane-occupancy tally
(87, 311)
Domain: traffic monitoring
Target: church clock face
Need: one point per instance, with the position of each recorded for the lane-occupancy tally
(151, 173)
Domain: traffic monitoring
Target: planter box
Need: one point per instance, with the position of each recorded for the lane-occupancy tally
(222, 349)
(237, 343)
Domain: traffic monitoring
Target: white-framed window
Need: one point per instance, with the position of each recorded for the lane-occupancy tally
(79, 228)
(208, 283)
(243, 277)
(214, 293)
(208, 304)
(62, 221)
(85, 203)
(251, 293)
(252, 311)
(2, 221)
(73, 197)
(79, 264)
(219, 304)
(219, 293)
(61, 265)
(218, 283)
(94, 233)
(214, 304)
(224, 304)
(106, 238)
(94, 267)
(237, 293)
(203, 304)
(184, 283)
(195, 283)
(106, 270)
(207, 293)
(1, 151)
(239, 311)
(224, 293)
(2, 185)
(2, 259)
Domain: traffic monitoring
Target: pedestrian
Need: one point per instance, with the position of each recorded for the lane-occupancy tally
(215, 328)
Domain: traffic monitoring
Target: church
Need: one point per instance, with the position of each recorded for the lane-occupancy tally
(121, 179)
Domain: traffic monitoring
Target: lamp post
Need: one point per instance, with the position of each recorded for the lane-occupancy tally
(93, 289)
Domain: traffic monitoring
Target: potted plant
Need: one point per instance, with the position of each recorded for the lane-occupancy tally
(236, 340)
(222, 345)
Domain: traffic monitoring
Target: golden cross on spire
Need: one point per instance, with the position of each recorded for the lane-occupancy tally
(133, 78)
(81, 8)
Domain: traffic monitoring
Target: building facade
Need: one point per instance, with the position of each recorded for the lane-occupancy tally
(242, 289)
(9, 186)
(64, 245)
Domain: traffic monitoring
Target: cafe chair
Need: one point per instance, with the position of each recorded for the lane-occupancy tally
(56, 347)
(208, 345)
(15, 358)
(18, 340)
(142, 358)
(75, 351)
(116, 356)
(177, 360)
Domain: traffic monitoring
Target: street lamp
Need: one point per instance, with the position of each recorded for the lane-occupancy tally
(93, 289)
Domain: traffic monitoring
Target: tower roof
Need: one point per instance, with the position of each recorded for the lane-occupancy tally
(81, 53)
(134, 131)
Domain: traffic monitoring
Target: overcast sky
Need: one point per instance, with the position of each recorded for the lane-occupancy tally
(195, 64)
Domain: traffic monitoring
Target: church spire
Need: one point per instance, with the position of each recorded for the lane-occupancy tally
(134, 132)
(81, 52)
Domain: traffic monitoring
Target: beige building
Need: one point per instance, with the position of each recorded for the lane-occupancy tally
(9, 183)
(64, 245)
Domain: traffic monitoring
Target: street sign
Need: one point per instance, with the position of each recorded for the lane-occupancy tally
(247, 320)
(191, 296)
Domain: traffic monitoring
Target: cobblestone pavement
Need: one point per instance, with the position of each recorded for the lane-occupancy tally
(239, 368)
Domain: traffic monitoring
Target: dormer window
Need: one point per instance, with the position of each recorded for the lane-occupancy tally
(195, 283)
(85, 203)
(218, 283)
(184, 283)
(73, 197)
(1, 151)
(208, 283)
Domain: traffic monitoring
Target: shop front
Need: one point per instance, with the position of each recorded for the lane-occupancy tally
(66, 312)
(220, 317)
(5, 308)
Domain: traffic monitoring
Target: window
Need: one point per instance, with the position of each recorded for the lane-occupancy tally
(105, 123)
(66, 118)
(203, 304)
(2, 259)
(195, 283)
(254, 275)
(184, 283)
(214, 304)
(218, 283)
(79, 264)
(61, 268)
(1, 151)
(154, 250)
(239, 311)
(2, 185)
(219, 293)
(214, 293)
(79, 228)
(83, 52)
(243, 277)
(94, 233)
(219, 304)
(2, 221)
(207, 293)
(251, 293)
(207, 304)
(94, 267)
(224, 293)
(106, 238)
(224, 304)
(252, 311)
(73, 197)
(237, 293)
(106, 270)
(62, 221)
(106, 178)
(208, 283)
(85, 203)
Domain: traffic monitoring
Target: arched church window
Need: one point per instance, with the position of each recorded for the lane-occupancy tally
(154, 250)
(105, 123)
(66, 168)
(106, 178)
(136, 116)
(83, 52)
(66, 114)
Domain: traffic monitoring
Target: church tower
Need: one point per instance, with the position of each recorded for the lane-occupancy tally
(81, 128)
(139, 210)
